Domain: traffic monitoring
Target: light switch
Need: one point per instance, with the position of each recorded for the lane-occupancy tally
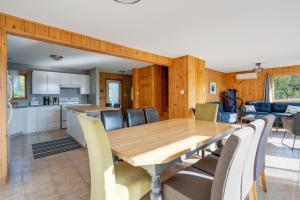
(182, 92)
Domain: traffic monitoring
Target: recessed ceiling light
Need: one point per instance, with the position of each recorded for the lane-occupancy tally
(127, 1)
(56, 57)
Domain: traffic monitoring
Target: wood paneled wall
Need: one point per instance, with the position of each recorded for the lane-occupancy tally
(38, 31)
(151, 88)
(219, 78)
(187, 86)
(3, 106)
(252, 90)
(126, 81)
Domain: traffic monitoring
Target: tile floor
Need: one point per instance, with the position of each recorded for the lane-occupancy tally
(66, 175)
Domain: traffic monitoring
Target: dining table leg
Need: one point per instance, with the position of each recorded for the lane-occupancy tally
(155, 171)
(156, 188)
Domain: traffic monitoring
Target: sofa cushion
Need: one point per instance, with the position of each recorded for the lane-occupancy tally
(279, 107)
(229, 117)
(257, 113)
(263, 107)
(292, 109)
(282, 114)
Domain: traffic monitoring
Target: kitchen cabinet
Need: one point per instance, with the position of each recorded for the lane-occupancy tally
(39, 82)
(32, 119)
(74, 128)
(75, 79)
(53, 83)
(42, 118)
(50, 82)
(85, 84)
(18, 123)
(53, 117)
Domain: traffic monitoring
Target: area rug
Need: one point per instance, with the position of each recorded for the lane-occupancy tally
(49, 148)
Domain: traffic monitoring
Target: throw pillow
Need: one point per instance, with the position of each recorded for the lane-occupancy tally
(292, 109)
(250, 108)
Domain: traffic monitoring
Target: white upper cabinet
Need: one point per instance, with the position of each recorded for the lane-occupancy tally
(50, 82)
(53, 83)
(39, 82)
(85, 84)
(75, 79)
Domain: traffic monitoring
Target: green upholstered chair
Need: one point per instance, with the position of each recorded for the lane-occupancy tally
(207, 112)
(109, 181)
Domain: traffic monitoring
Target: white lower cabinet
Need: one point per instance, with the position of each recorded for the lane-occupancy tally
(42, 118)
(32, 122)
(34, 119)
(18, 123)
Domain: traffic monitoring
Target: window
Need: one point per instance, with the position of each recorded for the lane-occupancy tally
(287, 87)
(113, 91)
(19, 86)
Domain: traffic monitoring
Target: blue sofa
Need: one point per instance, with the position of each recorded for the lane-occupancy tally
(225, 117)
(276, 108)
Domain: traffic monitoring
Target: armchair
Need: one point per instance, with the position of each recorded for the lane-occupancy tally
(291, 124)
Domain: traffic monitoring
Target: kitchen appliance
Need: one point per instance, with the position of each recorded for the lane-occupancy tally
(55, 101)
(46, 100)
(34, 102)
(64, 102)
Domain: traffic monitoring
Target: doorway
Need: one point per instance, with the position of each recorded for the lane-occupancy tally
(113, 93)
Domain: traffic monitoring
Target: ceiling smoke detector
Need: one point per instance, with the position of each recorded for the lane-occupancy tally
(127, 1)
(258, 68)
(56, 57)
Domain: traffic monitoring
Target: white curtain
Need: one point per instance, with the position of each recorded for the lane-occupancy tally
(268, 89)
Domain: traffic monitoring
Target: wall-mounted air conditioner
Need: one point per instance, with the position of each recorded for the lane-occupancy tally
(246, 76)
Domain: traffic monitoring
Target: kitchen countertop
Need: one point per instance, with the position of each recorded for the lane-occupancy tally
(16, 107)
(90, 109)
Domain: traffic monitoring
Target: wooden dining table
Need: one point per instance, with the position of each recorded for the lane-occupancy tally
(158, 146)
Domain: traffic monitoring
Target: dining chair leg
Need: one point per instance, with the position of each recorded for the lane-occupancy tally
(294, 142)
(283, 136)
(253, 192)
(263, 181)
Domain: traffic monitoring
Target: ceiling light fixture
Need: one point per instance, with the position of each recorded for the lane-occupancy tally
(258, 67)
(127, 1)
(56, 57)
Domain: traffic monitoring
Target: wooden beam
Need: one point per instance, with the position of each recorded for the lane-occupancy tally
(29, 29)
(3, 106)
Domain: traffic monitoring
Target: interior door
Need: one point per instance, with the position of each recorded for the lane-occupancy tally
(146, 94)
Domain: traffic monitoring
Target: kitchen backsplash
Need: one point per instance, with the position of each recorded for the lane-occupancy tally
(64, 92)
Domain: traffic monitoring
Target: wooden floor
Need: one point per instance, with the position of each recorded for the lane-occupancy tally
(66, 175)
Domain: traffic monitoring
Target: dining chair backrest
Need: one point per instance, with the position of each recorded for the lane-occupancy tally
(112, 119)
(260, 159)
(135, 117)
(207, 112)
(100, 157)
(248, 174)
(228, 175)
(151, 115)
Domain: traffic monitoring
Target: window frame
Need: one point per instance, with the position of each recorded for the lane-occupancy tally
(26, 87)
(283, 100)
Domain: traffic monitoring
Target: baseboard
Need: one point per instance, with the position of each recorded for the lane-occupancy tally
(3, 180)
